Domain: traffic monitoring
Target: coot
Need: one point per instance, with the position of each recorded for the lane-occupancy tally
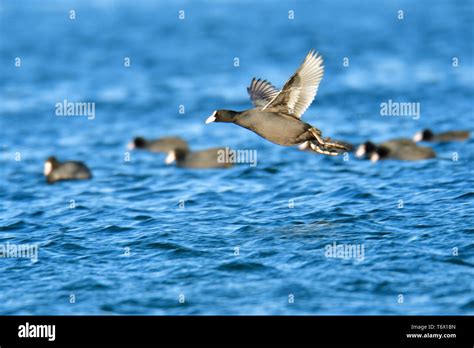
(401, 149)
(428, 135)
(165, 144)
(70, 170)
(277, 114)
(209, 158)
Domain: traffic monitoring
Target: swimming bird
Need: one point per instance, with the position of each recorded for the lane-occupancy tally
(70, 170)
(165, 144)
(401, 149)
(277, 114)
(209, 158)
(428, 135)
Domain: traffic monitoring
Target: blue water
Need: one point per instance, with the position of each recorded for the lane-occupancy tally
(136, 205)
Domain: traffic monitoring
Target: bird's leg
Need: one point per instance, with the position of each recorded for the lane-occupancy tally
(322, 151)
(317, 135)
(326, 143)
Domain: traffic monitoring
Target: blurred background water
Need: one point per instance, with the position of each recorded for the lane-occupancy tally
(134, 205)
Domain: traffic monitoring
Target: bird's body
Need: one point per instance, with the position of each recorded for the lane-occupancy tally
(406, 150)
(395, 144)
(412, 153)
(279, 129)
(277, 114)
(209, 158)
(452, 136)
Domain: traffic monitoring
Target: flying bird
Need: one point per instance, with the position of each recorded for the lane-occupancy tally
(277, 114)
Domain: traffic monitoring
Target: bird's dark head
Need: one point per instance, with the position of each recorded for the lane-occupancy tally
(366, 149)
(139, 142)
(380, 153)
(50, 164)
(424, 135)
(222, 116)
(176, 155)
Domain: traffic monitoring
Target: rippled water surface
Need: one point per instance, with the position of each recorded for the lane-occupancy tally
(248, 240)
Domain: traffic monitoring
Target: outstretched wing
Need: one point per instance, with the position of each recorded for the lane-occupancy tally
(299, 91)
(261, 92)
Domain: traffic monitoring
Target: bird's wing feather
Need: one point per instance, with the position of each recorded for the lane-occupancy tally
(299, 91)
(261, 92)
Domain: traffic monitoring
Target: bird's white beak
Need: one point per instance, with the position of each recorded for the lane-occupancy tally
(360, 151)
(304, 146)
(418, 137)
(131, 145)
(374, 157)
(211, 118)
(48, 167)
(170, 158)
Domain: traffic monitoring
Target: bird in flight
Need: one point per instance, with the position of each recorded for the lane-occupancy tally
(277, 114)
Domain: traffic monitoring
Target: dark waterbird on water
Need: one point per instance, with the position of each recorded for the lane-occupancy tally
(277, 114)
(429, 135)
(165, 144)
(400, 149)
(70, 170)
(209, 158)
